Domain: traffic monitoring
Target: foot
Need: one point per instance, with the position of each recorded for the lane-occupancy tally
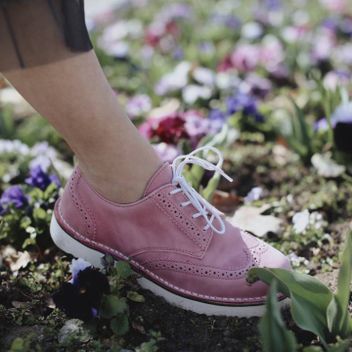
(182, 246)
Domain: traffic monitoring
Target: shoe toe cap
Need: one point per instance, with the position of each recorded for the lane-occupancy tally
(272, 258)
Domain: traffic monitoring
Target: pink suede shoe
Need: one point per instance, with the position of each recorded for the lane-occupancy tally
(182, 246)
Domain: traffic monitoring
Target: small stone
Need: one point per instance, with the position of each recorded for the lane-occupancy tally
(73, 330)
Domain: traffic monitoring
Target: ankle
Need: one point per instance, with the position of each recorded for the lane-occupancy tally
(120, 186)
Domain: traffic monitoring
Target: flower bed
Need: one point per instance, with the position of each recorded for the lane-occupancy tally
(268, 83)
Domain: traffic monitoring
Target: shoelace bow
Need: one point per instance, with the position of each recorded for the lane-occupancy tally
(205, 209)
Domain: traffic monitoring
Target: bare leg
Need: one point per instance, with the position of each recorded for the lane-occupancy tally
(74, 95)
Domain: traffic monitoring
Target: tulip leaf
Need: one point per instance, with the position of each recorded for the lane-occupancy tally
(211, 187)
(309, 298)
(273, 331)
(339, 319)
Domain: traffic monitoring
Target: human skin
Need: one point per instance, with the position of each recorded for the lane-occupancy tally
(76, 98)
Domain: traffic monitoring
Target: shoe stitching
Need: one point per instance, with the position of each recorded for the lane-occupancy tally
(203, 246)
(177, 224)
(201, 270)
(166, 283)
(161, 249)
(87, 214)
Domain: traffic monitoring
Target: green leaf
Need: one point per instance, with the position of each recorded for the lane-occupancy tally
(309, 298)
(273, 331)
(119, 325)
(112, 305)
(123, 270)
(340, 322)
(340, 346)
(39, 214)
(150, 346)
(135, 296)
(211, 187)
(194, 176)
(313, 349)
(301, 136)
(7, 124)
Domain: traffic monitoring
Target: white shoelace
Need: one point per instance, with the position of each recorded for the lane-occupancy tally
(205, 209)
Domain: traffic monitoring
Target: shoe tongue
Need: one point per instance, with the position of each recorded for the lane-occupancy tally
(162, 176)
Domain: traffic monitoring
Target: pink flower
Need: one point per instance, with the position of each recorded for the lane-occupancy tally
(335, 5)
(138, 106)
(271, 54)
(166, 151)
(196, 125)
(225, 64)
(323, 45)
(246, 57)
(146, 129)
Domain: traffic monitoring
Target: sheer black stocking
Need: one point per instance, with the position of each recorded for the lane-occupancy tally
(38, 32)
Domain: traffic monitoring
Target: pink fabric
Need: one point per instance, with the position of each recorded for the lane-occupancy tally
(164, 243)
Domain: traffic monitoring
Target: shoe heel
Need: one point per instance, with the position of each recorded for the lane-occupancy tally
(69, 245)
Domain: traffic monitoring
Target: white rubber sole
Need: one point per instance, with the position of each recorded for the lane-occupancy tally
(69, 245)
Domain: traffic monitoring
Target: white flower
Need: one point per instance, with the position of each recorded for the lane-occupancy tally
(227, 80)
(254, 194)
(343, 54)
(15, 147)
(41, 160)
(204, 76)
(122, 30)
(138, 105)
(119, 49)
(251, 30)
(43, 155)
(193, 92)
(175, 80)
(301, 221)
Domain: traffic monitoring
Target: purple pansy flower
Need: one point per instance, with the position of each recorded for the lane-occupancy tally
(244, 103)
(272, 5)
(226, 20)
(81, 297)
(341, 122)
(342, 114)
(321, 125)
(38, 178)
(15, 196)
(2, 210)
(346, 26)
(217, 118)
